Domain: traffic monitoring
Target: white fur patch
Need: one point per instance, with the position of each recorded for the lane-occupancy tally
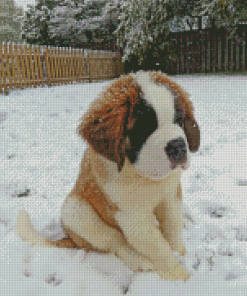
(153, 161)
(81, 218)
(158, 96)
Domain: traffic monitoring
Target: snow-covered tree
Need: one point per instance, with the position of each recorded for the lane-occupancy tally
(83, 23)
(35, 27)
(223, 13)
(10, 24)
(143, 30)
(110, 23)
(181, 15)
(76, 23)
(65, 23)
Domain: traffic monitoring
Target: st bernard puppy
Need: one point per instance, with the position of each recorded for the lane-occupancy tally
(127, 198)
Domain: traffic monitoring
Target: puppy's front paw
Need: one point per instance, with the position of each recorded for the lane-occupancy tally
(134, 260)
(178, 247)
(183, 251)
(177, 273)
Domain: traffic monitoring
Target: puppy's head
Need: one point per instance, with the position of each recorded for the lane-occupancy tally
(147, 118)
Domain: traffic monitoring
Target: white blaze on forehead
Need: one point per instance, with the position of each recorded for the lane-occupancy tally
(158, 96)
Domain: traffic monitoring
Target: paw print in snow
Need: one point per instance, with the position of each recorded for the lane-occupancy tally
(216, 212)
(241, 182)
(231, 276)
(52, 280)
(241, 234)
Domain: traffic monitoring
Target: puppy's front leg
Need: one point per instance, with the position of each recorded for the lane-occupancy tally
(169, 215)
(143, 234)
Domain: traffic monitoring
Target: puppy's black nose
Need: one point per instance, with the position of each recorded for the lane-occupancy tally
(176, 151)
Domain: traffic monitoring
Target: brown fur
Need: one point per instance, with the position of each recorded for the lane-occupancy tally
(105, 124)
(190, 125)
(89, 189)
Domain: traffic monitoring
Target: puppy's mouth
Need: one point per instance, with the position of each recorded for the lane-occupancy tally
(184, 165)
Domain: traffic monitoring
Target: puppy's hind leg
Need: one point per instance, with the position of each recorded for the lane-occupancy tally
(87, 229)
(27, 232)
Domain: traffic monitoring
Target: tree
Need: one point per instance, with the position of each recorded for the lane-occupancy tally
(10, 24)
(75, 23)
(182, 17)
(223, 13)
(83, 23)
(143, 31)
(65, 23)
(35, 27)
(110, 23)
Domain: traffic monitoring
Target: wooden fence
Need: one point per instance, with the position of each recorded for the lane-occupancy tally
(209, 50)
(24, 66)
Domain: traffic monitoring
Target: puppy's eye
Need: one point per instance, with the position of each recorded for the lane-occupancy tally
(179, 117)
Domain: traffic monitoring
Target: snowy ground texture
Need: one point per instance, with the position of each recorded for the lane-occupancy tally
(39, 161)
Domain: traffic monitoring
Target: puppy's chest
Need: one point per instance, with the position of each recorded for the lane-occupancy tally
(129, 189)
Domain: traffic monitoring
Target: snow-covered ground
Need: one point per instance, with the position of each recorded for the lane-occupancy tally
(39, 161)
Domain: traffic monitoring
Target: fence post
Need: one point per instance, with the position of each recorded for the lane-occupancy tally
(226, 51)
(47, 67)
(89, 67)
(27, 63)
(115, 64)
(66, 74)
(18, 60)
(237, 45)
(23, 68)
(82, 65)
(76, 54)
(243, 60)
(61, 61)
(32, 62)
(7, 65)
(219, 43)
(40, 65)
(119, 65)
(13, 69)
(59, 65)
(36, 69)
(1, 70)
(70, 63)
(55, 66)
(51, 65)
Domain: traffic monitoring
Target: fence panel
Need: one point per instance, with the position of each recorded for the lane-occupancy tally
(101, 65)
(209, 50)
(24, 66)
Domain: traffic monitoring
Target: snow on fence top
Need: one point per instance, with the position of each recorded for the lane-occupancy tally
(23, 65)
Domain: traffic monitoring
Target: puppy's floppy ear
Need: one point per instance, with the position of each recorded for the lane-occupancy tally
(189, 124)
(105, 124)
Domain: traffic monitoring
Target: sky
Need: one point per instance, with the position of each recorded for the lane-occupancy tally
(24, 3)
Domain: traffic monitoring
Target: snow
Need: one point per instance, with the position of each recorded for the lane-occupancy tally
(39, 159)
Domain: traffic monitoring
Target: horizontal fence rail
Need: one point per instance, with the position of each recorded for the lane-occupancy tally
(209, 50)
(23, 66)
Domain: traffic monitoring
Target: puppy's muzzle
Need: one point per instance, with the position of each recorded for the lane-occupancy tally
(176, 152)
